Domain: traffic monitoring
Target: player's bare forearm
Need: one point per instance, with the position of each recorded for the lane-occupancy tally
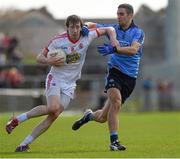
(42, 59)
(112, 35)
(129, 50)
(91, 25)
(110, 32)
(105, 30)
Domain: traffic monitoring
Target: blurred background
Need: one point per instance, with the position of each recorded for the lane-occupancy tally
(26, 27)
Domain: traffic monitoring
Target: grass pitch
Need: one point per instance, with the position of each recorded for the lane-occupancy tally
(146, 135)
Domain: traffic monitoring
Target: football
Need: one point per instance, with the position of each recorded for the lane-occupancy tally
(57, 53)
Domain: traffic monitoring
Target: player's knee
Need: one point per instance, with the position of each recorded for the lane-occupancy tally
(116, 104)
(52, 109)
(55, 109)
(54, 114)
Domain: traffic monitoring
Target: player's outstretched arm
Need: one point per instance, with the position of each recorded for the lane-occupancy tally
(110, 31)
(129, 50)
(91, 25)
(107, 49)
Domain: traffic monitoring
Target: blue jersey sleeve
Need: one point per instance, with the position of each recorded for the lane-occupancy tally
(104, 25)
(139, 36)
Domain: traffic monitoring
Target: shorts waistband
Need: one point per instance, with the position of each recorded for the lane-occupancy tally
(117, 71)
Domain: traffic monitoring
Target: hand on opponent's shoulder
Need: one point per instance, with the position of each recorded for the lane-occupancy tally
(85, 30)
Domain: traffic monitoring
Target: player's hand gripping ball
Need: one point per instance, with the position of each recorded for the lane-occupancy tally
(57, 54)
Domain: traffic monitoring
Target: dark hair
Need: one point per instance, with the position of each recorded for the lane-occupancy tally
(129, 9)
(74, 19)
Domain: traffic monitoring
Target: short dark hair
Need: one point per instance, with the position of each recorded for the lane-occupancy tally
(129, 9)
(74, 19)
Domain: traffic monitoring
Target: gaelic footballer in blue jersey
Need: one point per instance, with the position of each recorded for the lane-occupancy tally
(123, 67)
(126, 56)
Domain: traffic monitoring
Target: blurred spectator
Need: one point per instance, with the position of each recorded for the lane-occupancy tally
(2, 52)
(3, 82)
(5, 41)
(147, 91)
(165, 95)
(15, 77)
(8, 49)
(11, 78)
(13, 55)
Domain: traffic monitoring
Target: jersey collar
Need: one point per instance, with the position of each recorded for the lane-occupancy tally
(71, 40)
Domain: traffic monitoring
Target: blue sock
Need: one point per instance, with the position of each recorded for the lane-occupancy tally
(27, 140)
(22, 117)
(113, 136)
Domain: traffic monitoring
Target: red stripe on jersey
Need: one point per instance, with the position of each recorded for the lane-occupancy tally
(50, 77)
(98, 33)
(63, 35)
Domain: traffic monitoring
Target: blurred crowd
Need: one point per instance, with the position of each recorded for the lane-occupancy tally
(9, 54)
(164, 91)
(10, 77)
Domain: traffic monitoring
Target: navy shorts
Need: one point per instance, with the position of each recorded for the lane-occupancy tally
(121, 81)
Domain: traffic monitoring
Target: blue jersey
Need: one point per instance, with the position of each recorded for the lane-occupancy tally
(128, 64)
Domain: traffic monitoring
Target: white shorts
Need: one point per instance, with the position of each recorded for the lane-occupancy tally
(59, 88)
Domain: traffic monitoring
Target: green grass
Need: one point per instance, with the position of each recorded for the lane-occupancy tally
(149, 135)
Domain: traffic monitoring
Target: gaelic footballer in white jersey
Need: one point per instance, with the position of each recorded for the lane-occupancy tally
(66, 75)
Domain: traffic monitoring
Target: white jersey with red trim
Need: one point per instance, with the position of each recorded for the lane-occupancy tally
(75, 55)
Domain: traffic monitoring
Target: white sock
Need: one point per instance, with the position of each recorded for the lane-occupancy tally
(22, 117)
(27, 140)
